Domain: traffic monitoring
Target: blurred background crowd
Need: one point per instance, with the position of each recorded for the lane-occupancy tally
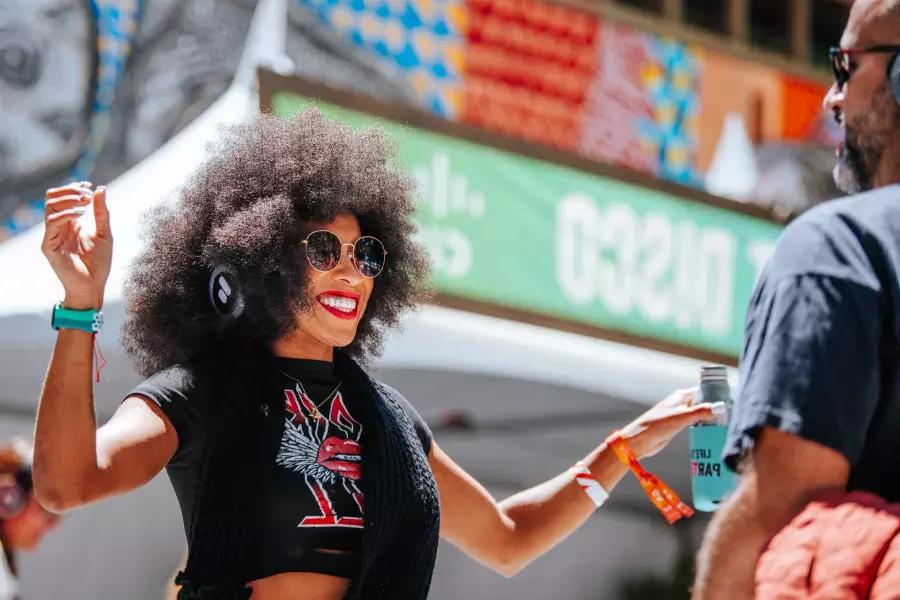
(668, 141)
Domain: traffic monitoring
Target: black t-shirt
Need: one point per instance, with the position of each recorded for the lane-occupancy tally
(822, 346)
(314, 499)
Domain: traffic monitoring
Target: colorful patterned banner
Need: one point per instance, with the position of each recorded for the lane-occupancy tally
(643, 104)
(116, 27)
(565, 78)
(528, 68)
(420, 38)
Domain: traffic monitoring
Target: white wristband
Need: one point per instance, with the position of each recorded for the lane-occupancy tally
(590, 485)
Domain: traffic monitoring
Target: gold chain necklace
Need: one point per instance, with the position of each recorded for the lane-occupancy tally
(314, 413)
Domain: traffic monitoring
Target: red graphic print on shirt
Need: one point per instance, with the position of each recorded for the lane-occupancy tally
(326, 451)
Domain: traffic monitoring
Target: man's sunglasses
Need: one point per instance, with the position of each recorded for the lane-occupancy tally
(840, 60)
(324, 250)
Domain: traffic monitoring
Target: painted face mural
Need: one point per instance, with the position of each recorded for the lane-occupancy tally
(47, 57)
(88, 88)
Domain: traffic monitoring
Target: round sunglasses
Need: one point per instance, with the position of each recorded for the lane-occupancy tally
(324, 250)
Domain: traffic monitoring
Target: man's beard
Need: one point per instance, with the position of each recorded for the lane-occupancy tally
(851, 173)
(865, 141)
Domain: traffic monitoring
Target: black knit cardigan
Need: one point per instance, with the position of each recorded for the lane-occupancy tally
(402, 512)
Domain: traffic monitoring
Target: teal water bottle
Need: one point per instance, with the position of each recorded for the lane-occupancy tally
(711, 480)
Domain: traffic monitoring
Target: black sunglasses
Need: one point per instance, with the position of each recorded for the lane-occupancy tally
(840, 60)
(324, 250)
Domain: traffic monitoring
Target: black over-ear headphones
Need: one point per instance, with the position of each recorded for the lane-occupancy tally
(893, 75)
(225, 292)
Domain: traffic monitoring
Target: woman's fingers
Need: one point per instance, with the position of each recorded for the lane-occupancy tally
(58, 230)
(101, 212)
(76, 187)
(57, 223)
(65, 215)
(685, 415)
(79, 195)
(65, 202)
(678, 398)
(656, 428)
(684, 397)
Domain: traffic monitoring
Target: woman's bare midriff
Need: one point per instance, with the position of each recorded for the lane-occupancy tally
(299, 586)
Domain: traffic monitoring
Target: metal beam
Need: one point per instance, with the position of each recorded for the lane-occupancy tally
(735, 44)
(673, 10)
(801, 29)
(738, 18)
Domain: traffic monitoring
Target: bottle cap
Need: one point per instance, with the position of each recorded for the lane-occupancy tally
(713, 373)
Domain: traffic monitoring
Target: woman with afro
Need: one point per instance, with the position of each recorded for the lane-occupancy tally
(259, 300)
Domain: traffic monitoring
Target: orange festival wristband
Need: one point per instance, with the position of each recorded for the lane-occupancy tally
(661, 495)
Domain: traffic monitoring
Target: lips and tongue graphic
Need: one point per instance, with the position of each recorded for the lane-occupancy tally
(341, 456)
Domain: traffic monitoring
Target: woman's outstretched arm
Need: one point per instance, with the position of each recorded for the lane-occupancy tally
(508, 535)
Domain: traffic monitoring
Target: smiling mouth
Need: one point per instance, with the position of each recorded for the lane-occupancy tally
(342, 307)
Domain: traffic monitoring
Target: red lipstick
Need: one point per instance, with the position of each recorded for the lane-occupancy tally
(341, 314)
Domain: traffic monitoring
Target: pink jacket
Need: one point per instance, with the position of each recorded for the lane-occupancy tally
(841, 547)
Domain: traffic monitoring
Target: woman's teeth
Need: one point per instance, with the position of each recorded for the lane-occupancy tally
(340, 303)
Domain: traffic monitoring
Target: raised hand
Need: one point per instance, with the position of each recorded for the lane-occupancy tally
(652, 431)
(78, 242)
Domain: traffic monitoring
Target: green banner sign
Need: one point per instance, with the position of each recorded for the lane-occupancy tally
(536, 236)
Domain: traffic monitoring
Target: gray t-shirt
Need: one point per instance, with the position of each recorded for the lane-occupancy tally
(822, 344)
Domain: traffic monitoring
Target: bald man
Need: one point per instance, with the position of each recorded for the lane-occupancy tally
(819, 404)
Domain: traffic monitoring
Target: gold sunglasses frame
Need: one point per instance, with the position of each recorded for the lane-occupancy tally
(351, 255)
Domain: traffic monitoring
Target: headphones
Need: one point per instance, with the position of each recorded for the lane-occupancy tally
(15, 488)
(225, 292)
(893, 76)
